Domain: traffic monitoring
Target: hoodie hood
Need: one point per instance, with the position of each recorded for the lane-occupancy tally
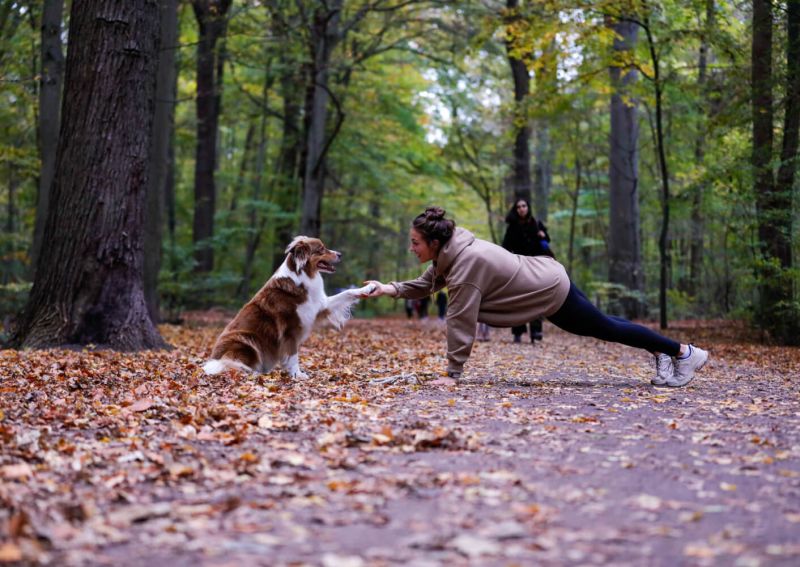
(455, 246)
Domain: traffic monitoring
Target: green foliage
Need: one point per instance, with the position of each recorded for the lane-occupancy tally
(428, 108)
(778, 309)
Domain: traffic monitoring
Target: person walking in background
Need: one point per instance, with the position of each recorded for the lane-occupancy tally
(526, 236)
(422, 307)
(488, 284)
(409, 307)
(441, 304)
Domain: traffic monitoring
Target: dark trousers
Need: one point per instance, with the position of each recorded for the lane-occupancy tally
(535, 325)
(579, 316)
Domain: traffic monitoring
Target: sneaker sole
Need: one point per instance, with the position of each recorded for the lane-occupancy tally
(702, 364)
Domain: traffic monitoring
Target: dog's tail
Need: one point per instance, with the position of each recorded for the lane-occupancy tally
(217, 365)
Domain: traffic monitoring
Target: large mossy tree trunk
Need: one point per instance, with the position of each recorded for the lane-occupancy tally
(88, 285)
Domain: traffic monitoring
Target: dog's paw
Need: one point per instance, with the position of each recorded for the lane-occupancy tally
(362, 292)
(299, 375)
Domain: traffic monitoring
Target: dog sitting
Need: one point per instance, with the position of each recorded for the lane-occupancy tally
(270, 328)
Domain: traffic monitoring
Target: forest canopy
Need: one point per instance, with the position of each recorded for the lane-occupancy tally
(656, 140)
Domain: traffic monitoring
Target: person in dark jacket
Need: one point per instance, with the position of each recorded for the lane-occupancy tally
(526, 236)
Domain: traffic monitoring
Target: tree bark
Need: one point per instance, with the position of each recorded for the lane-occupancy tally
(543, 170)
(49, 113)
(779, 312)
(212, 22)
(698, 220)
(13, 183)
(762, 115)
(287, 168)
(256, 224)
(163, 124)
(574, 213)
(791, 127)
(663, 240)
(88, 286)
(624, 241)
(520, 181)
(244, 166)
(324, 37)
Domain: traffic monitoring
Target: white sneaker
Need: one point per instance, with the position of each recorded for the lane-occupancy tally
(687, 366)
(664, 369)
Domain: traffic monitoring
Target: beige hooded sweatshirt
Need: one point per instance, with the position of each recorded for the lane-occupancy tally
(487, 284)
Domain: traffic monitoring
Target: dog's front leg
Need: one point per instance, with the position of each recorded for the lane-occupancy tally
(338, 306)
(291, 364)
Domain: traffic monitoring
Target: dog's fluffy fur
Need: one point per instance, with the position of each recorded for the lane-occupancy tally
(270, 328)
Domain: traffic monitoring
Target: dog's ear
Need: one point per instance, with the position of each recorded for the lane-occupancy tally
(300, 251)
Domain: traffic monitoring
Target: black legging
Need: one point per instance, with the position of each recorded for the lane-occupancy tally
(579, 316)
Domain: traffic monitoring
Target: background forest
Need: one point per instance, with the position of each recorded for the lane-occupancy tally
(657, 141)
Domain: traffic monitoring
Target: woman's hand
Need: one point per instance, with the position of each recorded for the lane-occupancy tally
(380, 289)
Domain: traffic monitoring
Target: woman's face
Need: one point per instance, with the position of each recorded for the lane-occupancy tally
(421, 249)
(522, 209)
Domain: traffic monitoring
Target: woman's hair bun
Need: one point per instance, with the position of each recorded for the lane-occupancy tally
(433, 225)
(435, 213)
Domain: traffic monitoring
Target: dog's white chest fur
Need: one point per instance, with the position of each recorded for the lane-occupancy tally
(315, 302)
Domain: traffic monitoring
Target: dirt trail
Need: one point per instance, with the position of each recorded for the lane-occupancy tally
(562, 453)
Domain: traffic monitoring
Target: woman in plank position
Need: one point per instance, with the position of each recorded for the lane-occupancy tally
(491, 285)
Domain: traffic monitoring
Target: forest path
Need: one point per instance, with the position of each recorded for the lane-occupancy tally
(562, 453)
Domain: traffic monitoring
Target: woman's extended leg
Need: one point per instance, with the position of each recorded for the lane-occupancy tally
(579, 316)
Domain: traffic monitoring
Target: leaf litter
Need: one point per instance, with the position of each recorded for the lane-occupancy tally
(560, 453)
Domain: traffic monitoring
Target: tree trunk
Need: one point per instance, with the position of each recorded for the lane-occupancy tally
(624, 241)
(244, 166)
(212, 22)
(769, 267)
(324, 37)
(49, 113)
(762, 114)
(663, 169)
(13, 183)
(256, 224)
(791, 127)
(374, 252)
(88, 286)
(520, 181)
(287, 167)
(574, 213)
(698, 219)
(781, 316)
(543, 170)
(163, 123)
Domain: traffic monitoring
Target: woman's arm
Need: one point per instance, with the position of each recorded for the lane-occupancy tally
(462, 317)
(411, 289)
(543, 232)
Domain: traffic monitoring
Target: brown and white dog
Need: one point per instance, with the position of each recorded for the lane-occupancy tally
(270, 328)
